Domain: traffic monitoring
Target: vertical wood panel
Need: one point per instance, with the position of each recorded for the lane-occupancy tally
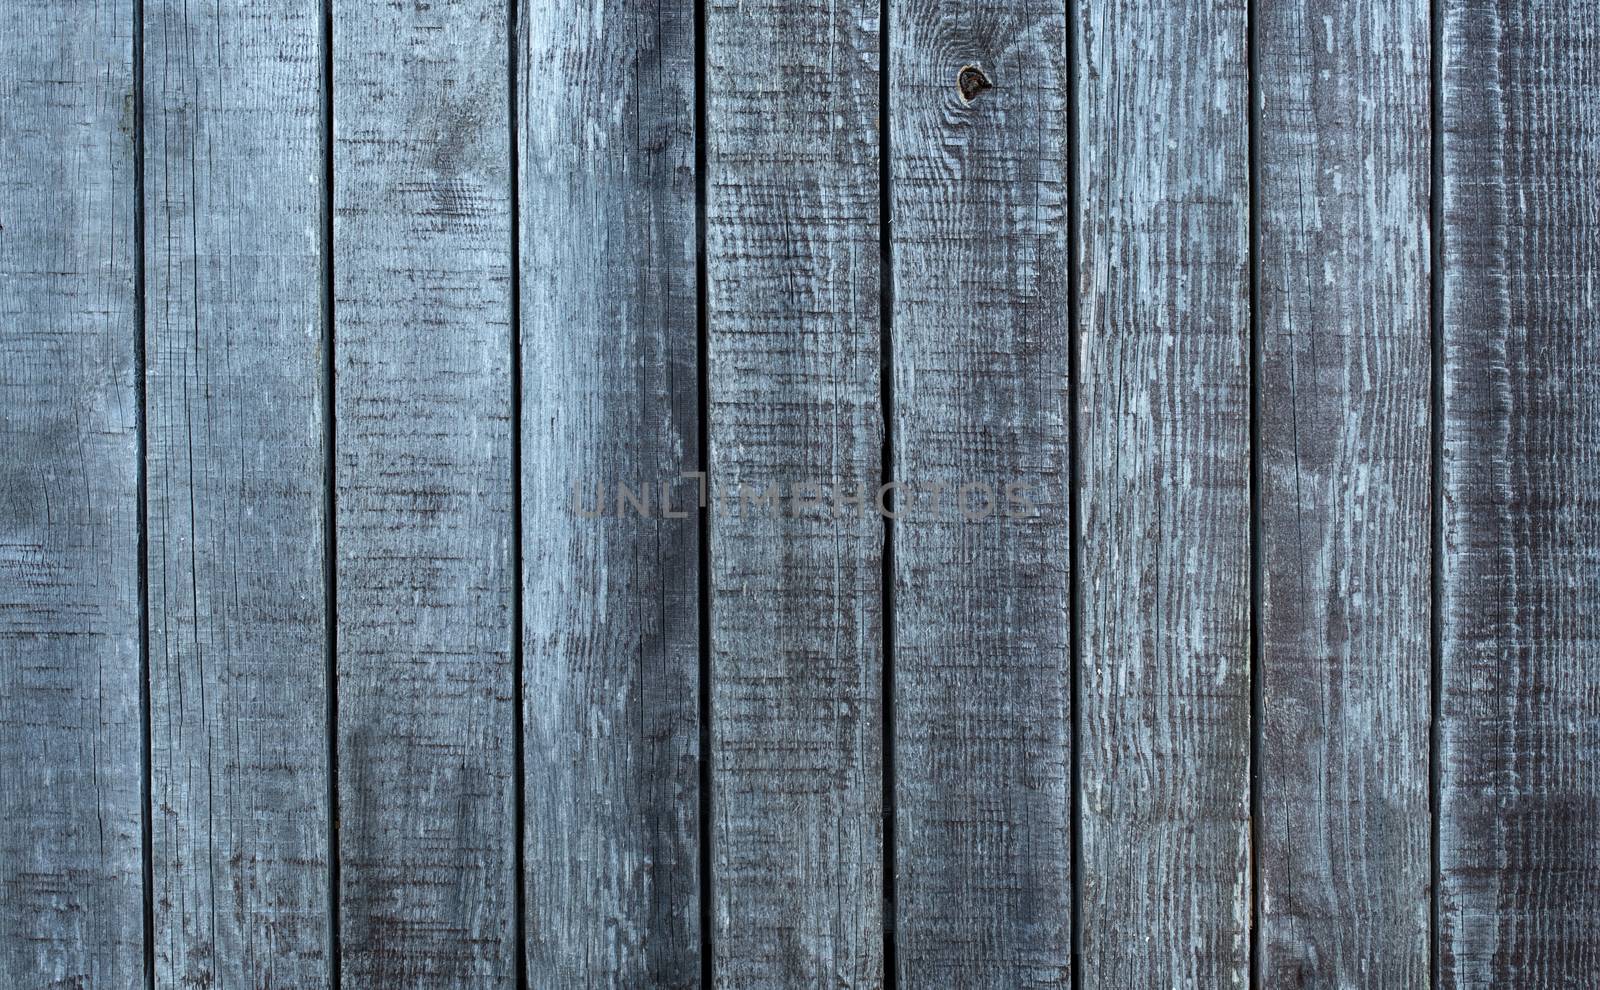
(982, 662)
(71, 874)
(1520, 719)
(422, 243)
(1344, 498)
(610, 393)
(1164, 462)
(233, 170)
(793, 273)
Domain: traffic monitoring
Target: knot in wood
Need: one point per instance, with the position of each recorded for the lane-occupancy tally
(971, 81)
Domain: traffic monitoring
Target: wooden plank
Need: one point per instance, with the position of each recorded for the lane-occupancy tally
(1164, 513)
(1520, 680)
(233, 169)
(71, 866)
(982, 703)
(1344, 392)
(422, 251)
(605, 127)
(796, 636)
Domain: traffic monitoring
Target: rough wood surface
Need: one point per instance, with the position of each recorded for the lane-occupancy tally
(1164, 462)
(1520, 719)
(422, 251)
(1344, 391)
(793, 273)
(605, 127)
(239, 751)
(983, 727)
(71, 874)
(425, 348)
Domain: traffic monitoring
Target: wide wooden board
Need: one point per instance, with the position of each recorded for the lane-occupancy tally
(792, 256)
(1519, 732)
(71, 769)
(423, 398)
(982, 664)
(605, 131)
(234, 266)
(1163, 448)
(1344, 450)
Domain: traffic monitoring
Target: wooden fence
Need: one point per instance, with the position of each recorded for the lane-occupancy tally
(444, 443)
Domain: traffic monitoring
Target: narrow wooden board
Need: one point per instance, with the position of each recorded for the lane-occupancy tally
(982, 664)
(423, 399)
(1520, 707)
(796, 636)
(239, 746)
(1344, 392)
(71, 865)
(605, 128)
(1164, 469)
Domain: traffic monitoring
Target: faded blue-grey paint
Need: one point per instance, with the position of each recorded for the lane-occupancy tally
(822, 751)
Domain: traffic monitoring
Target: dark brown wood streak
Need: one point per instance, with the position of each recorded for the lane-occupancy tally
(1520, 699)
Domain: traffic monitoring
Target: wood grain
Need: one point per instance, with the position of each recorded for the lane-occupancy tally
(796, 637)
(239, 752)
(605, 127)
(1520, 705)
(1164, 461)
(983, 726)
(422, 250)
(71, 873)
(1344, 392)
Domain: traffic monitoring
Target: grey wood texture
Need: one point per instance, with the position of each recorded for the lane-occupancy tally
(71, 868)
(982, 679)
(1344, 450)
(234, 262)
(423, 354)
(1520, 707)
(605, 125)
(796, 635)
(1164, 463)
(212, 483)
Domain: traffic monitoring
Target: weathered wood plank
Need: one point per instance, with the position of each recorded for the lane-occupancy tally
(1520, 705)
(1164, 462)
(982, 679)
(422, 251)
(233, 186)
(71, 867)
(793, 274)
(610, 397)
(1344, 392)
